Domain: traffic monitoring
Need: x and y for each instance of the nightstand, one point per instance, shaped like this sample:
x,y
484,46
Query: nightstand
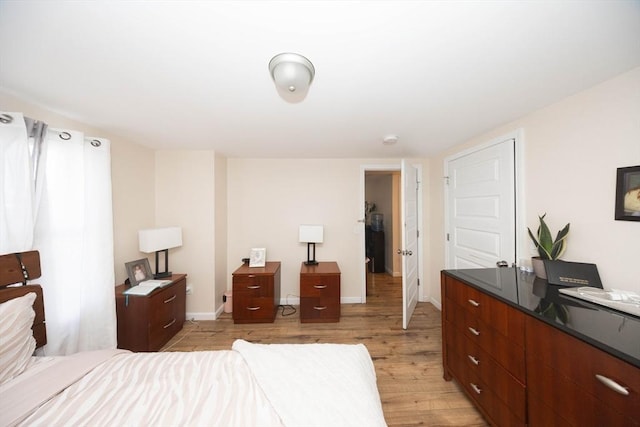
x,y
147,322
320,293
256,293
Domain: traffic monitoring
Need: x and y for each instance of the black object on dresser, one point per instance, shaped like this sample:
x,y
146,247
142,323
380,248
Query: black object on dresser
x,y
147,322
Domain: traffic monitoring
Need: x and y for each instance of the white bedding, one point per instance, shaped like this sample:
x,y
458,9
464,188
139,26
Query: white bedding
x,y
251,385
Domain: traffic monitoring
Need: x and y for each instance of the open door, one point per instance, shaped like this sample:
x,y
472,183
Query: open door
x,y
409,250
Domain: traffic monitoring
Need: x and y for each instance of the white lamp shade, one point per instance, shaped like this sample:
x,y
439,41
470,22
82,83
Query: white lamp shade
x,y
311,233
158,239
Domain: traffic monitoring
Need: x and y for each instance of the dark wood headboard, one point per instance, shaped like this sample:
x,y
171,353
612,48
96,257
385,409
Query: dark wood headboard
x,y
17,268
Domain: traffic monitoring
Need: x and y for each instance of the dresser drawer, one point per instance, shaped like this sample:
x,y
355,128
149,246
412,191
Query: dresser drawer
x,y
500,382
509,354
557,361
493,407
501,317
557,401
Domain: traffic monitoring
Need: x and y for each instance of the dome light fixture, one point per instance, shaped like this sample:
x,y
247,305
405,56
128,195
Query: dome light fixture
x,y
390,140
291,72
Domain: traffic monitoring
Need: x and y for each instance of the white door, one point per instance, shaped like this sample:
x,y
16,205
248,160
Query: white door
x,y
409,250
480,202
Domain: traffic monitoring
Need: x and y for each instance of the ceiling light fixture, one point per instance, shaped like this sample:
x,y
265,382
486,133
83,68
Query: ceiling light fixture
x,y
291,72
390,140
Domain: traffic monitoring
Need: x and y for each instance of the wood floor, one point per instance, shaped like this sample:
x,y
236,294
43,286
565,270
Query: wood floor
x,y
408,363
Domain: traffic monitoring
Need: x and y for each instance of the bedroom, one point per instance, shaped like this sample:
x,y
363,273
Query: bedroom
x,y
573,145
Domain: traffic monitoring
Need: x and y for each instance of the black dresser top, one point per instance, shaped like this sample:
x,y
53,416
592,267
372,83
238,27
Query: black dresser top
x,y
612,331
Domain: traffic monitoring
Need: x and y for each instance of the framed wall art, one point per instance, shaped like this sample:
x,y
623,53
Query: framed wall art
x,y
258,257
628,194
138,271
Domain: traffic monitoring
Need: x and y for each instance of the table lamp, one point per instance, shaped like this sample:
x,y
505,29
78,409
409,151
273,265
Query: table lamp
x,y
311,234
160,240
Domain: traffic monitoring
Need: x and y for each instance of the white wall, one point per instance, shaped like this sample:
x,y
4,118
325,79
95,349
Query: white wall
x,y
185,197
572,150
269,198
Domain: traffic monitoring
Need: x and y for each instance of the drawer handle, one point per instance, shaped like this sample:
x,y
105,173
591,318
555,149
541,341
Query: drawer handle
x,y
613,385
319,286
170,299
474,331
169,324
253,287
319,308
475,388
251,276
473,302
474,360
253,308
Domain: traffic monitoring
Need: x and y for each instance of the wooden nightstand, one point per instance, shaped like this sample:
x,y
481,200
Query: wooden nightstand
x,y
320,293
256,293
146,323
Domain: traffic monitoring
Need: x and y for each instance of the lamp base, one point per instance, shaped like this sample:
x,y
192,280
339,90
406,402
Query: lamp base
x,y
314,262
163,275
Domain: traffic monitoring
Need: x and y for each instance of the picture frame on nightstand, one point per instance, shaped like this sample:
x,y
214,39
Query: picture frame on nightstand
x,y
258,257
138,271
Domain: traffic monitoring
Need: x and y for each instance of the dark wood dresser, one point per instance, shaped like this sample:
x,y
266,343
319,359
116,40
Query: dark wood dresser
x,y
256,293
320,292
526,354
146,323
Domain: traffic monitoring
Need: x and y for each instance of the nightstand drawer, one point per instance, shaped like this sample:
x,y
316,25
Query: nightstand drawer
x,y
319,309
319,286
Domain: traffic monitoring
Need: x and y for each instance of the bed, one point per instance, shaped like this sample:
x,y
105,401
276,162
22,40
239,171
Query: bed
x,y
248,385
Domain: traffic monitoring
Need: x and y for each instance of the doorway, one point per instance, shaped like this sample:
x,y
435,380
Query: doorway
x,y
408,246
382,222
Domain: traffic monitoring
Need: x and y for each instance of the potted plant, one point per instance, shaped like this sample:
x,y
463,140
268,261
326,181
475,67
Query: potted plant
x,y
548,248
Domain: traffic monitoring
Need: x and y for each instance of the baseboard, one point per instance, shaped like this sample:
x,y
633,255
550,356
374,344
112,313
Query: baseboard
x,y
204,316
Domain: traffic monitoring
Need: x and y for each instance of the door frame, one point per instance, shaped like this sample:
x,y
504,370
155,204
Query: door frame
x,y
391,167
519,197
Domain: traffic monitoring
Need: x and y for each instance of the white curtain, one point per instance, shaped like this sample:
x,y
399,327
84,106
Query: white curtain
x,y
74,234
16,186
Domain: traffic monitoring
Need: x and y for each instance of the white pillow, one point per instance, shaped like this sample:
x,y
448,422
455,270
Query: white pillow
x,y
16,337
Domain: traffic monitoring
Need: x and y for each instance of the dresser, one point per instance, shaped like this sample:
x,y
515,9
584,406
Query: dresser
x,y
147,322
256,293
320,292
527,355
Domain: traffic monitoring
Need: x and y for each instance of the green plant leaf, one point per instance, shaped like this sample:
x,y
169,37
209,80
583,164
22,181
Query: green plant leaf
x,y
545,240
560,243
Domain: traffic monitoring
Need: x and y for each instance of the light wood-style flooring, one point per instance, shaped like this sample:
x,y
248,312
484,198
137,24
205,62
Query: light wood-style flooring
x,y
408,363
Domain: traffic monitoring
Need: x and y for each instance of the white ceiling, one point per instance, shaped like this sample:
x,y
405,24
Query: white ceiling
x,y
194,74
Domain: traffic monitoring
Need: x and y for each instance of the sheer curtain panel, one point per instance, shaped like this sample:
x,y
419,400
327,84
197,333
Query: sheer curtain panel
x,y
74,233
16,186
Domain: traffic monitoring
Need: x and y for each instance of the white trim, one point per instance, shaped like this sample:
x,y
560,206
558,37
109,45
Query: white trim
x,y
520,237
204,316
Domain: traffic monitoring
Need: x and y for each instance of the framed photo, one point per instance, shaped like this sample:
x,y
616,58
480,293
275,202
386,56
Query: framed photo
x,y
258,257
628,194
138,271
